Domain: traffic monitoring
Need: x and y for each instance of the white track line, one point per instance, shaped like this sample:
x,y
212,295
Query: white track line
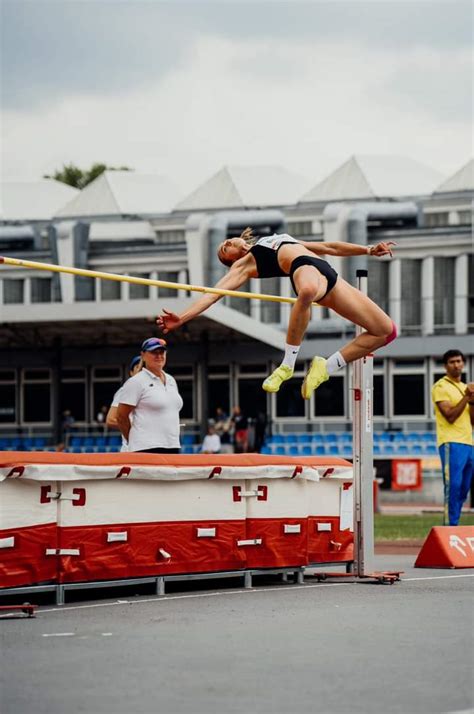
x,y
251,591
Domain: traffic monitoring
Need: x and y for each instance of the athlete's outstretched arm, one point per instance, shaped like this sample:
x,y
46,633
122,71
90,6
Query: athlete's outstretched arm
x,y
233,280
339,248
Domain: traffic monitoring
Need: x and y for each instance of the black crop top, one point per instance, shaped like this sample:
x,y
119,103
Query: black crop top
x,y
265,252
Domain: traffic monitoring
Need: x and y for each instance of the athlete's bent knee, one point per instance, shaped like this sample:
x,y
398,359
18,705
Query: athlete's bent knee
x,y
392,336
306,295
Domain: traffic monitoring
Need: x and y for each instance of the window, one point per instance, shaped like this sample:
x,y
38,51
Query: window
x,y
251,397
288,400
379,395
218,395
110,290
444,276
378,283
300,228
8,391
241,304
73,393
105,382
84,289
270,311
465,218
436,220
13,291
36,396
139,292
411,296
408,394
329,398
171,277
170,237
41,289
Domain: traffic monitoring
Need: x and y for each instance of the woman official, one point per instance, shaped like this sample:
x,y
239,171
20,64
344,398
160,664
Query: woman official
x,y
153,400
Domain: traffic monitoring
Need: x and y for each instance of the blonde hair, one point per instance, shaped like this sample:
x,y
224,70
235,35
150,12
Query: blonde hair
x,y
249,238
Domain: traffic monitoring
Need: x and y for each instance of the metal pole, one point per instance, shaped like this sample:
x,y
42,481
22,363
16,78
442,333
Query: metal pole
x,y
363,456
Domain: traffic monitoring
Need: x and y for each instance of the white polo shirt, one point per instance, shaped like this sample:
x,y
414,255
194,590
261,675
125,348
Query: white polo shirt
x,y
115,402
155,421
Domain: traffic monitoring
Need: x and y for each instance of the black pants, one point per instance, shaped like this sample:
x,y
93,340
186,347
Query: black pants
x,y
158,450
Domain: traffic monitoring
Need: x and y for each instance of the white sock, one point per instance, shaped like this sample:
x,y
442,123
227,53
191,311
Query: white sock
x,y
291,353
335,362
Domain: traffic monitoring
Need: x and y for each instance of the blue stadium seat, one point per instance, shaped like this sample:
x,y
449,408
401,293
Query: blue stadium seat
x,y
76,441
429,436
346,436
388,450
320,450
88,442
290,438
403,449
100,442
188,439
347,451
306,450
333,450
28,443
377,450
330,438
304,438
416,450
317,438
431,450
186,449
279,450
293,450
277,439
114,440
384,436
39,442
398,437
266,450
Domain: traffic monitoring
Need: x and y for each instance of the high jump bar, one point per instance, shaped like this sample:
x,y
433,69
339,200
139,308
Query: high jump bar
x,y
50,267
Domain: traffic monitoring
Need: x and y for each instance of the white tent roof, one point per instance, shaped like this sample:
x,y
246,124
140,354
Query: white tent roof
x,y
122,193
33,200
375,177
462,180
246,187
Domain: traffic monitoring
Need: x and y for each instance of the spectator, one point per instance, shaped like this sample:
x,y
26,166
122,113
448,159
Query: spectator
x,y
212,442
241,430
111,418
101,418
152,398
454,412
260,430
223,426
67,424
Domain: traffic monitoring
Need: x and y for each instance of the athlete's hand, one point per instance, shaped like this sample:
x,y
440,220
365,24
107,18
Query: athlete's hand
x,y
381,249
168,321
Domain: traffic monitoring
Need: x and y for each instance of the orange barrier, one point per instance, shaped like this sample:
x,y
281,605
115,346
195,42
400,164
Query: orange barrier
x,y
447,547
75,518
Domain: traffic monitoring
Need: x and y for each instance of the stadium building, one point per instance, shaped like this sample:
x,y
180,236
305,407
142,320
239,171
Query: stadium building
x,y
67,340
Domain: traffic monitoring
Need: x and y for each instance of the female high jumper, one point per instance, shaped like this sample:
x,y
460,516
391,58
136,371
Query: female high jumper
x,y
313,280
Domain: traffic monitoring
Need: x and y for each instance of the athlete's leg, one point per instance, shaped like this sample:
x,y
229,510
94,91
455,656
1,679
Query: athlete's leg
x,y
310,285
379,330
353,305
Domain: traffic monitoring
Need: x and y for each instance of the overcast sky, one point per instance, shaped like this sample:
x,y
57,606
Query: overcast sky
x,y
182,88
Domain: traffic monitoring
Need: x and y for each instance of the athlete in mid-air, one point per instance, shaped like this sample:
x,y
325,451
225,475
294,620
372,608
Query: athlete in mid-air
x,y
313,280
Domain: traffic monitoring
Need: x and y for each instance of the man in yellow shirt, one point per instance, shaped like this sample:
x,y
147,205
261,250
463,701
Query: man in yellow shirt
x,y
454,410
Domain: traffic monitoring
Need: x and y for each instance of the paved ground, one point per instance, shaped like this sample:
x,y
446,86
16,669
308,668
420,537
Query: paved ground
x,y
330,647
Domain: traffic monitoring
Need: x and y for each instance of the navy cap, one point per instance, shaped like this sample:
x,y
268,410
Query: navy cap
x,y
154,343
134,362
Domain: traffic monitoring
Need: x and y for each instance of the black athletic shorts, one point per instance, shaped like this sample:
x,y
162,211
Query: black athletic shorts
x,y
321,265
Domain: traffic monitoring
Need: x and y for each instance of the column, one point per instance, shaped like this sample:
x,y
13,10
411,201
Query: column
x,y
461,294
395,291
427,296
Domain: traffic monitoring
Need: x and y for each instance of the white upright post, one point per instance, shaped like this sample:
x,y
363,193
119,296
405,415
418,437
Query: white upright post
x,y
363,456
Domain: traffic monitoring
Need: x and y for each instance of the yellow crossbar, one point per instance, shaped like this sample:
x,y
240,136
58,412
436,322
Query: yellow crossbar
x,y
50,267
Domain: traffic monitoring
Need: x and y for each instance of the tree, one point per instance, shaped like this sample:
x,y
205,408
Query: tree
x,y
77,177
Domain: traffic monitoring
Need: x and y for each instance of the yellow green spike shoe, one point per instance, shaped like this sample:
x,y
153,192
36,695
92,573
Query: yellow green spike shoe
x,y
274,381
316,375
